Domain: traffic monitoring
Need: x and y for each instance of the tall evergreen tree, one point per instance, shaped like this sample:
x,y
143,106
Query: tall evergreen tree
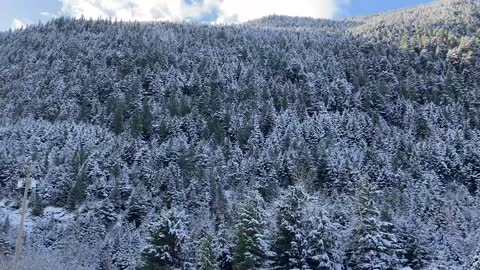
x,y
146,120
224,246
372,247
288,242
321,251
249,250
117,118
208,260
165,245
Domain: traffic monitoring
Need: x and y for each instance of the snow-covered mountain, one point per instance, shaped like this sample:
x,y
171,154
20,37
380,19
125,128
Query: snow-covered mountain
x,y
281,143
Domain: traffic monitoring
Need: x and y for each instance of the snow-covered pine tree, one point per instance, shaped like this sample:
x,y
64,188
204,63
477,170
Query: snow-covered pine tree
x,y
372,247
323,179
288,242
414,247
165,245
36,204
321,250
137,206
105,211
208,260
126,241
284,172
105,261
88,230
224,246
249,249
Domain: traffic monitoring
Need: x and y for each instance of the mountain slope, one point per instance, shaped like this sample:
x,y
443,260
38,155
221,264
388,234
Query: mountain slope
x,y
282,143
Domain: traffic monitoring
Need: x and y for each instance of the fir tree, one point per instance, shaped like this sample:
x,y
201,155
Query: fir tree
x,y
126,242
146,120
167,237
285,173
321,251
288,241
78,192
137,206
117,118
323,179
106,211
372,247
249,253
136,124
224,246
414,253
36,205
208,260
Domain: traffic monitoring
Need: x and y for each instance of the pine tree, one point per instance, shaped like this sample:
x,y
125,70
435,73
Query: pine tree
x,y
422,130
255,141
78,192
267,120
136,124
249,253
36,205
208,260
138,205
372,248
323,180
105,210
285,173
105,257
146,120
288,241
125,245
472,171
167,236
321,251
117,118
266,179
88,230
224,246
414,253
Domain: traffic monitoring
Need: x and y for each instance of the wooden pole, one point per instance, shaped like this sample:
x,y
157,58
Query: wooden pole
x,y
18,247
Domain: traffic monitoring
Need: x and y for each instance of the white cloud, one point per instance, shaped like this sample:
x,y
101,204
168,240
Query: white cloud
x,y
228,11
244,10
17,24
140,10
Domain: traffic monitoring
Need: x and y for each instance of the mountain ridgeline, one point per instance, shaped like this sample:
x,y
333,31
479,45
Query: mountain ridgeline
x,y
281,143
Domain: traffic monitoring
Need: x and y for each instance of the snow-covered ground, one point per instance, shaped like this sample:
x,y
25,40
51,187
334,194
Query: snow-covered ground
x,y
8,211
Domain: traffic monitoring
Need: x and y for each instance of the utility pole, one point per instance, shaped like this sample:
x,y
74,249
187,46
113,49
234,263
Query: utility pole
x,y
18,247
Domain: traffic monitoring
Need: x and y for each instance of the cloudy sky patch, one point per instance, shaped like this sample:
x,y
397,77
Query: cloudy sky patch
x,y
16,13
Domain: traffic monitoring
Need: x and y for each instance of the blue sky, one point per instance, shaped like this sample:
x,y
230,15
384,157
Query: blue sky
x,y
14,13
366,7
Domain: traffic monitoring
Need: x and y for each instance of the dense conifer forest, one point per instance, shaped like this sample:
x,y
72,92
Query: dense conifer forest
x,y
281,143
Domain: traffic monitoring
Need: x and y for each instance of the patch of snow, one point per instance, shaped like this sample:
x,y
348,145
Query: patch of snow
x,y
14,218
58,214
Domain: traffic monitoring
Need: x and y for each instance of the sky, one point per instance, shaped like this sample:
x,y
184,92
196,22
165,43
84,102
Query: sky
x,y
18,13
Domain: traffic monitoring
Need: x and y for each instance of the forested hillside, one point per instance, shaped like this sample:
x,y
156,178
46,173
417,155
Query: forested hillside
x,y
281,143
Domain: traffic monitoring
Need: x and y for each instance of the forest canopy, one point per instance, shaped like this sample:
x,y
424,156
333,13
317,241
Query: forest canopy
x,y
281,143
